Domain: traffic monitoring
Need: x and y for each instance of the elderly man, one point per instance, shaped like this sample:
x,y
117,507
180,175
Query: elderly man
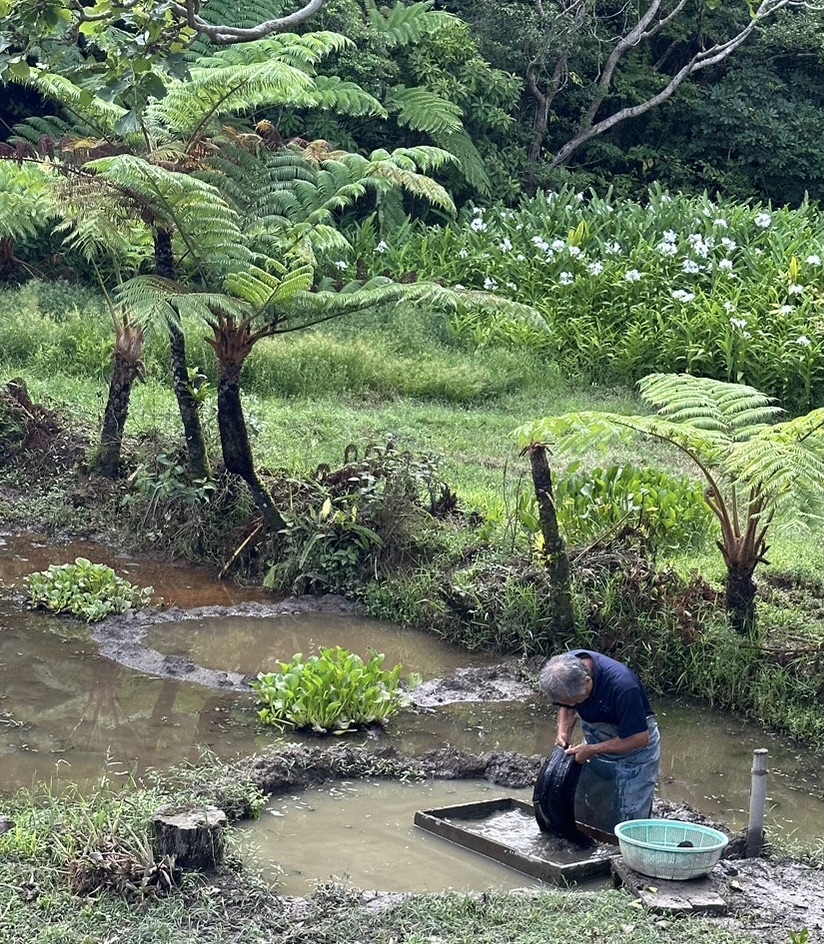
x,y
619,727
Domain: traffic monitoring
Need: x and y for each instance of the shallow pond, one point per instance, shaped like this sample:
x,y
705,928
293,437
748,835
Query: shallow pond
x,y
67,712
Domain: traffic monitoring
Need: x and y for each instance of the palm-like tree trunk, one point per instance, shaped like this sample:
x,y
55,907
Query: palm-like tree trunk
x,y
562,617
127,367
197,456
233,343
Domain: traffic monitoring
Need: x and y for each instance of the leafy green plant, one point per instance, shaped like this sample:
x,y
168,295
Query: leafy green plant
x,y
92,591
333,691
670,511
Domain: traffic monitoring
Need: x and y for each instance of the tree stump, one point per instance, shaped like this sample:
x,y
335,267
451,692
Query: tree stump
x,y
194,837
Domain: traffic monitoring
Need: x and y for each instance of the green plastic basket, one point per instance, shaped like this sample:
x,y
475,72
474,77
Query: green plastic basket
x,y
670,849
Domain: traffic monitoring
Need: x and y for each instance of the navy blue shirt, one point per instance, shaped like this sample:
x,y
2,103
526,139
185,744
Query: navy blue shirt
x,y
617,696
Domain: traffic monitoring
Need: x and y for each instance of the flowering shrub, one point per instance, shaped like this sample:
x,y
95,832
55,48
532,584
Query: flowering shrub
x,y
719,289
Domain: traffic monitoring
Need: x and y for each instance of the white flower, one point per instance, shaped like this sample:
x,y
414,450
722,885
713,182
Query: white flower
x,y
341,264
681,296
462,254
721,223
612,248
670,236
490,284
728,244
690,267
786,309
459,287
574,250
566,278
803,340
707,211
512,286
579,197
558,245
667,249
813,260
550,255
796,289
382,246
738,322
520,257
595,268
478,211
633,275
728,307
540,243
505,245
478,225
746,334
725,264
763,220
700,246
758,252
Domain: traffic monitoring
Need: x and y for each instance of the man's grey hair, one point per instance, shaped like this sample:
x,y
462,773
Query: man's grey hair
x,y
564,679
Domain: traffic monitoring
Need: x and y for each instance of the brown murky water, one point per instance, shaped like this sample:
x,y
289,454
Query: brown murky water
x,y
66,712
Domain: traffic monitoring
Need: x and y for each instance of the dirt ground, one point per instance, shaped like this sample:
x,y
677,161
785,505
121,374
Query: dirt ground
x,y
767,897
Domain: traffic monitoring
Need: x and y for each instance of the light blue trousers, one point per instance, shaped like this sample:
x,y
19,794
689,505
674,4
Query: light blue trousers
x,y
635,774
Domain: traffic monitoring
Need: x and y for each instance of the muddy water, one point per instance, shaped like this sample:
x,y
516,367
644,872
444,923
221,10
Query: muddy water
x,y
66,711
364,833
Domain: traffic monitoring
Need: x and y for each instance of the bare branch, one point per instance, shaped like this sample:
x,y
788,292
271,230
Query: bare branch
x,y
701,60
223,35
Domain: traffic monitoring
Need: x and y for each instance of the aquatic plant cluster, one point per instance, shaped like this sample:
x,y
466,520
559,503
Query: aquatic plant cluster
x,y
83,589
679,283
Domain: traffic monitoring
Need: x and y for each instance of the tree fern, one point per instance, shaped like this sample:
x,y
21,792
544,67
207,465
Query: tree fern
x,y
753,469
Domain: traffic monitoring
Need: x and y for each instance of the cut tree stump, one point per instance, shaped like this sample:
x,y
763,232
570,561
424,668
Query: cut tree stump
x,y
193,836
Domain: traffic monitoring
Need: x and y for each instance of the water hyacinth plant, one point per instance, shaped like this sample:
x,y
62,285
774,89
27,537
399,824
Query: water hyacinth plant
x,y
679,284
332,691
83,589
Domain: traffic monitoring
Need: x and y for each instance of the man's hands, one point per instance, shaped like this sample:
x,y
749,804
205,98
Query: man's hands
x,y
581,752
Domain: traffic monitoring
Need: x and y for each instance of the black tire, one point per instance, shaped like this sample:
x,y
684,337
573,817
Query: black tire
x,y
554,797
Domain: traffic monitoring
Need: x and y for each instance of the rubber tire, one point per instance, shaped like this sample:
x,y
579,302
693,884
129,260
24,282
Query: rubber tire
x,y
554,797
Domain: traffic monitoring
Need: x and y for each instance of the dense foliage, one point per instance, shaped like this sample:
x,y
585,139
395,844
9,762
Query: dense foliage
x,y
711,287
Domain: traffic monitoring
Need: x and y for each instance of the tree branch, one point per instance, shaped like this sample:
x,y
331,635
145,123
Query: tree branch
x,y
223,35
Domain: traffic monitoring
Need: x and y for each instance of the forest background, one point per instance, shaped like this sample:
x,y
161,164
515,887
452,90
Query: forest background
x,y
527,209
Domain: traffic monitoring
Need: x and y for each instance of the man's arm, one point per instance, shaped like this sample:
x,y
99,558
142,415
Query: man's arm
x,y
566,725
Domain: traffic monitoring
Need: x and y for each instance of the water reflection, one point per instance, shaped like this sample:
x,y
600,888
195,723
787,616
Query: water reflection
x,y
64,709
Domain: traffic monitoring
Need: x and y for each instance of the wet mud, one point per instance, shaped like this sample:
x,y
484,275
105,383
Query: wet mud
x,y
768,898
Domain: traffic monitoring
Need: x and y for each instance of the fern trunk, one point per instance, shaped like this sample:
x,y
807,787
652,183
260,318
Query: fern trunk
x,y
126,369
740,590
556,561
234,441
197,458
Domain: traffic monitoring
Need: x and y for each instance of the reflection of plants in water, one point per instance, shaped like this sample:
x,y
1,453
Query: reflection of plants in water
x,y
92,591
333,691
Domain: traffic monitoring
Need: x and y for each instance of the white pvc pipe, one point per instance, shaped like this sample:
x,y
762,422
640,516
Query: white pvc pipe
x,y
758,796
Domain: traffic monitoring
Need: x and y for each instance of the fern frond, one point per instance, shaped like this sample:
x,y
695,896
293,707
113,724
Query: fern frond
x,y
734,410
25,206
262,289
423,110
404,24
90,113
459,144
784,458
194,208
345,98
